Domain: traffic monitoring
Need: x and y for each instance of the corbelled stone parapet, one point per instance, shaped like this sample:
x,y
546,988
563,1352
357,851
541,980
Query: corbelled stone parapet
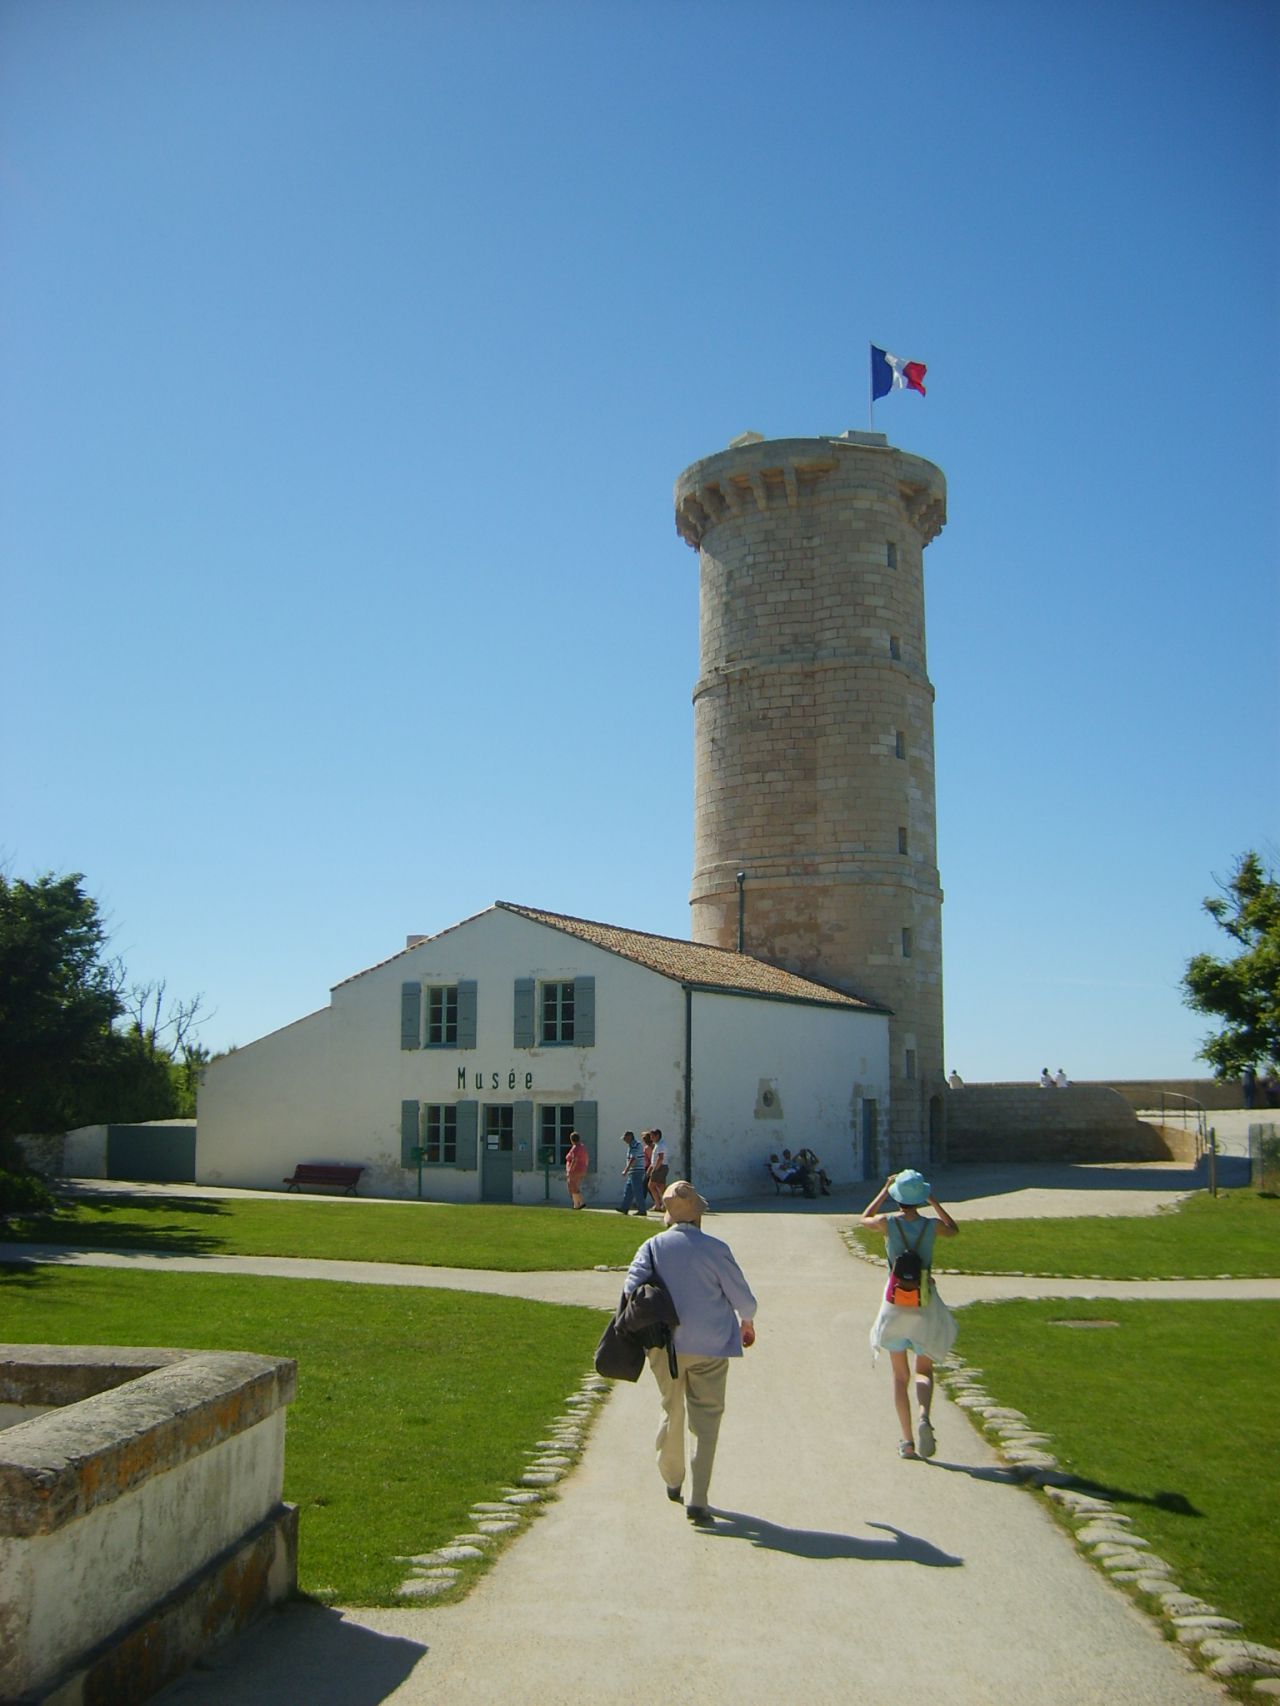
x,y
778,473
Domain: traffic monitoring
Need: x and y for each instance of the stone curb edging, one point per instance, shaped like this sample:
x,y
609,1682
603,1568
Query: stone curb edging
x,y
550,1460
1108,1537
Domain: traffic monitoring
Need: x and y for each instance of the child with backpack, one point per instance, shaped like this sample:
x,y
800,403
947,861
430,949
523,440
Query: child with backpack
x,y
912,1318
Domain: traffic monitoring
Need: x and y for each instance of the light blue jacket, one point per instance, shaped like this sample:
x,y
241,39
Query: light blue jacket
x,y
706,1286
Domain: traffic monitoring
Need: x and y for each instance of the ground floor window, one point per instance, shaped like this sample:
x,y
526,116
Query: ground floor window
x,y
555,1124
440,1134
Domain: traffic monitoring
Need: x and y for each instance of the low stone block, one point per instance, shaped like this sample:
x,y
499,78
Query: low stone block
x,y
1175,1603
1192,1630
1129,1558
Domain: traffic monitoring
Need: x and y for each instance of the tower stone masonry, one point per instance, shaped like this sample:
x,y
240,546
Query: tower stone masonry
x,y
813,737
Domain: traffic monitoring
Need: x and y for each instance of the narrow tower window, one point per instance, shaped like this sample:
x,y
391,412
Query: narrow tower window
x,y
906,941
891,554
902,838
899,743
911,1063
895,646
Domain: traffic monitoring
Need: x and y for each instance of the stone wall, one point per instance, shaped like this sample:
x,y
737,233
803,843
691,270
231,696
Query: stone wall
x,y
1209,1092
140,1513
1085,1122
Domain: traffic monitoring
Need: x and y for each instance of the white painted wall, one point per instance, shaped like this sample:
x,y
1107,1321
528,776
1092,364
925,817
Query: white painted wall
x,y
817,1063
329,1087
267,1106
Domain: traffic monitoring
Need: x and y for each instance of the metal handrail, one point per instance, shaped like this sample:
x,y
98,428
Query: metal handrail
x,y
1190,1104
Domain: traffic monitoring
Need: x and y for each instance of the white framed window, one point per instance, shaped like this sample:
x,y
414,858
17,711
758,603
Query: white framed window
x,y
442,1015
555,1122
557,1013
439,1135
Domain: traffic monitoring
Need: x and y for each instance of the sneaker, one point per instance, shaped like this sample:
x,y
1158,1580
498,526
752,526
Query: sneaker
x,y
701,1515
906,1449
675,1495
928,1444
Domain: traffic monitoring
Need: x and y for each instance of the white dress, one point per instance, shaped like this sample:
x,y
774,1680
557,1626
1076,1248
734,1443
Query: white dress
x,y
930,1331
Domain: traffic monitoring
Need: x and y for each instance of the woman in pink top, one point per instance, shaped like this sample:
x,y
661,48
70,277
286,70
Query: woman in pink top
x,y
576,1163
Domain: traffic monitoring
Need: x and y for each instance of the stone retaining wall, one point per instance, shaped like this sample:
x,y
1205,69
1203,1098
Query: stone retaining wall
x,y
140,1513
1085,1122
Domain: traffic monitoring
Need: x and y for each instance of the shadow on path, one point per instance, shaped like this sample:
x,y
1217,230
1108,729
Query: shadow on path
x,y
1177,1503
903,1548
304,1655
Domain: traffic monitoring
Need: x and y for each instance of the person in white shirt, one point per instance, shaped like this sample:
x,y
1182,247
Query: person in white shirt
x,y
657,1167
1046,1079
1060,1079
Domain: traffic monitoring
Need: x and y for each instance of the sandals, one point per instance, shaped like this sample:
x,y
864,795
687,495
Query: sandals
x,y
928,1444
906,1449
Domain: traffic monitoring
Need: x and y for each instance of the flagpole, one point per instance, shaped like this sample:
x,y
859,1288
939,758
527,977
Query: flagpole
x,y
871,396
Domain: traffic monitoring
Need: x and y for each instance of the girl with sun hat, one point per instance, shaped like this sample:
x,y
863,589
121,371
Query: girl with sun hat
x,y
919,1321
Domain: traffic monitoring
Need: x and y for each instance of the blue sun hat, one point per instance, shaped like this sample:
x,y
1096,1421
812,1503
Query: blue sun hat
x,y
910,1188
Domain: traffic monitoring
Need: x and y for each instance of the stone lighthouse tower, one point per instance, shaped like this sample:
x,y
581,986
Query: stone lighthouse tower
x,y
814,818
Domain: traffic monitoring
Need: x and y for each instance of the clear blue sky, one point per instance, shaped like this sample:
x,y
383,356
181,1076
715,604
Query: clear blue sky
x,y
349,352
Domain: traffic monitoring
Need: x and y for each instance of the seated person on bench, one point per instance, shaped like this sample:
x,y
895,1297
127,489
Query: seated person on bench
x,y
784,1172
811,1164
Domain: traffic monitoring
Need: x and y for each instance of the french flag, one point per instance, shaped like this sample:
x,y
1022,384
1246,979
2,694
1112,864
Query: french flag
x,y
891,373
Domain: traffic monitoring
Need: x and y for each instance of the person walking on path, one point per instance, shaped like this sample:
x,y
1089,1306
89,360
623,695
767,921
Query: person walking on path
x,y
717,1321
576,1163
657,1176
633,1192
918,1321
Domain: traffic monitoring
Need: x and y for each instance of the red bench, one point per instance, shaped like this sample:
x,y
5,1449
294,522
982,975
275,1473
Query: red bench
x,y
325,1173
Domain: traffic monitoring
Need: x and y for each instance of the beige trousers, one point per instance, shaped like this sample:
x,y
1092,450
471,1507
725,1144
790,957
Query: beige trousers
x,y
698,1390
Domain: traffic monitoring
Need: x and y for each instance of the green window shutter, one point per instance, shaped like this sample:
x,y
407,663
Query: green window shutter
x,y
468,1125
522,1136
410,1015
467,1014
584,1012
524,1012
584,1123
410,1133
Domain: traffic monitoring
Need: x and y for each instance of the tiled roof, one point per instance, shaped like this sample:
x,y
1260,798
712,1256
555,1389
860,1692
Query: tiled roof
x,y
696,963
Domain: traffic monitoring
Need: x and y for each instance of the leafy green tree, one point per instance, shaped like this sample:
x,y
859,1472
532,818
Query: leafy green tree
x,y
77,1046
1244,992
58,1000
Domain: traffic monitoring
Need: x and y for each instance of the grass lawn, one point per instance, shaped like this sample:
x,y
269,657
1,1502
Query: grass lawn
x,y
471,1235
1237,1232
411,1404
1171,1415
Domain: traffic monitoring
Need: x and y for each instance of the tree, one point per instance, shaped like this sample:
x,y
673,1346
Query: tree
x,y
77,1045
162,1035
1243,992
58,1000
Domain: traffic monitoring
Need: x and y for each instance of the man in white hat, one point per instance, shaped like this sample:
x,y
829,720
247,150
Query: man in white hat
x,y
717,1321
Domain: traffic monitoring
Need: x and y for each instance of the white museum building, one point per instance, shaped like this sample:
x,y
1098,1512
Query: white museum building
x,y
459,1066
